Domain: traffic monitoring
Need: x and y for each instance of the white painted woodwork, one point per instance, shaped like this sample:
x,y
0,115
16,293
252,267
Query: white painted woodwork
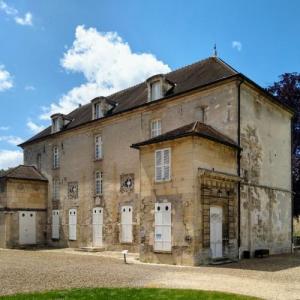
x,y
97,227
216,236
72,224
27,227
163,222
126,224
55,224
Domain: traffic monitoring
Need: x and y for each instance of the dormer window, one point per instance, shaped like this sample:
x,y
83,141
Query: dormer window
x,y
98,111
101,106
156,92
158,86
57,122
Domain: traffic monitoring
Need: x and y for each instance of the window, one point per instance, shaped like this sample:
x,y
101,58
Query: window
x,y
56,189
162,164
126,224
155,128
72,224
98,147
156,90
297,151
55,224
97,111
39,161
98,183
163,222
55,157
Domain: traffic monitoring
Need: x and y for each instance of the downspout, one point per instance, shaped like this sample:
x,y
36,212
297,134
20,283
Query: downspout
x,y
239,164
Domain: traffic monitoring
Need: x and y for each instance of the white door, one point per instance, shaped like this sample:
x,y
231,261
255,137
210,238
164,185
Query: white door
x,y
72,224
97,226
27,227
163,235
126,223
55,224
216,236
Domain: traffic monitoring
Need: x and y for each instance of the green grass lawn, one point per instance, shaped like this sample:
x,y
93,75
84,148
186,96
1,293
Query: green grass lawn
x,y
129,294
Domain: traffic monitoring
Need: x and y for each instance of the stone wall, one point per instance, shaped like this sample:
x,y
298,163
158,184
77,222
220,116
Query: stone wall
x,y
266,169
77,162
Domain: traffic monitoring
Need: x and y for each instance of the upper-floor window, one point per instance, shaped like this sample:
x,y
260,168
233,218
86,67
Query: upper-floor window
x,y
163,164
98,183
97,111
156,91
155,128
56,189
55,157
98,147
39,161
297,126
297,151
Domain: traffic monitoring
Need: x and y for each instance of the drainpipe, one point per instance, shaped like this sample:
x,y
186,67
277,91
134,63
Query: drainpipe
x,y
239,164
292,192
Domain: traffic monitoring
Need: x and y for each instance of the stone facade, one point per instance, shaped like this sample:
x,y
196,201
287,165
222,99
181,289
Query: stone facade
x,y
19,196
204,173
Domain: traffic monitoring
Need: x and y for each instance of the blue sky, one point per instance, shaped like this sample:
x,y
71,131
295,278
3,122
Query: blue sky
x,y
57,54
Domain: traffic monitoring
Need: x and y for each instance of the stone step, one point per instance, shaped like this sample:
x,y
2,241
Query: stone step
x,y
221,261
90,249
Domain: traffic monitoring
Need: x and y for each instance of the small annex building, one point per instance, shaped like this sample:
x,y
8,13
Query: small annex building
x,y
23,207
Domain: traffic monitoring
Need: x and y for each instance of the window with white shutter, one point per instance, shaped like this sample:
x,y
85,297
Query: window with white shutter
x,y
72,224
156,92
163,222
126,224
98,147
56,189
55,157
155,128
98,183
163,164
55,224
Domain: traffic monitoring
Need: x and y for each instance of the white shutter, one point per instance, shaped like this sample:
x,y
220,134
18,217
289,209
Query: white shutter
x,y
97,226
72,224
163,164
166,164
55,224
126,224
163,222
158,165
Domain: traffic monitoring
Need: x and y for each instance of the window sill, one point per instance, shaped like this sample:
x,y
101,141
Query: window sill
x,y
54,240
162,252
162,181
98,159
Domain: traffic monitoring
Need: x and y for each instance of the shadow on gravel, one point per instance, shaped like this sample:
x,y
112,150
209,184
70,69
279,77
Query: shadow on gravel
x,y
272,263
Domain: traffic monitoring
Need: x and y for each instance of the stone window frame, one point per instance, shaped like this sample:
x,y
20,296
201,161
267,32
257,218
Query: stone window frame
x,y
56,189
163,165
98,183
55,157
98,144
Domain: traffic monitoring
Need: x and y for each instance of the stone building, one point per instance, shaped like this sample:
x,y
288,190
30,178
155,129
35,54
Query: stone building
x,y
23,207
186,167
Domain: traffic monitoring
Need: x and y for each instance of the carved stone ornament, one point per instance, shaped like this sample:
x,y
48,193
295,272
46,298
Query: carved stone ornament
x,y
73,190
127,183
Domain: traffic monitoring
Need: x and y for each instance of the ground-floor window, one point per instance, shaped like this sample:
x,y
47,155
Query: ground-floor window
x,y
97,226
72,224
163,236
55,224
126,224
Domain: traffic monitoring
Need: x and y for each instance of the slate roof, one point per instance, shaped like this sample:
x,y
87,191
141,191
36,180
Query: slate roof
x,y
193,76
24,172
193,129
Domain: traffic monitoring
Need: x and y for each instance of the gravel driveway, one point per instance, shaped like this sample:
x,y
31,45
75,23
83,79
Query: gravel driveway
x,y
276,277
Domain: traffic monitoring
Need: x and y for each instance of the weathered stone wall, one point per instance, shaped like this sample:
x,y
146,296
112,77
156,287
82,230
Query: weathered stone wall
x,y
2,230
26,194
77,162
266,168
183,192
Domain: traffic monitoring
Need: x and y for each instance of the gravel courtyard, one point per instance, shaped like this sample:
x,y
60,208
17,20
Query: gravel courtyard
x,y
23,271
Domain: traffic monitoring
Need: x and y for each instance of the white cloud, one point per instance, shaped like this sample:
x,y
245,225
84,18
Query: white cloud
x,y
13,140
13,12
10,158
6,81
108,65
35,128
26,20
4,128
29,88
237,45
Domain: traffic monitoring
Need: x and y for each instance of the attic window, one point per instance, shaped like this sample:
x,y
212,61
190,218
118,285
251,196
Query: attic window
x,y
58,121
97,111
156,90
